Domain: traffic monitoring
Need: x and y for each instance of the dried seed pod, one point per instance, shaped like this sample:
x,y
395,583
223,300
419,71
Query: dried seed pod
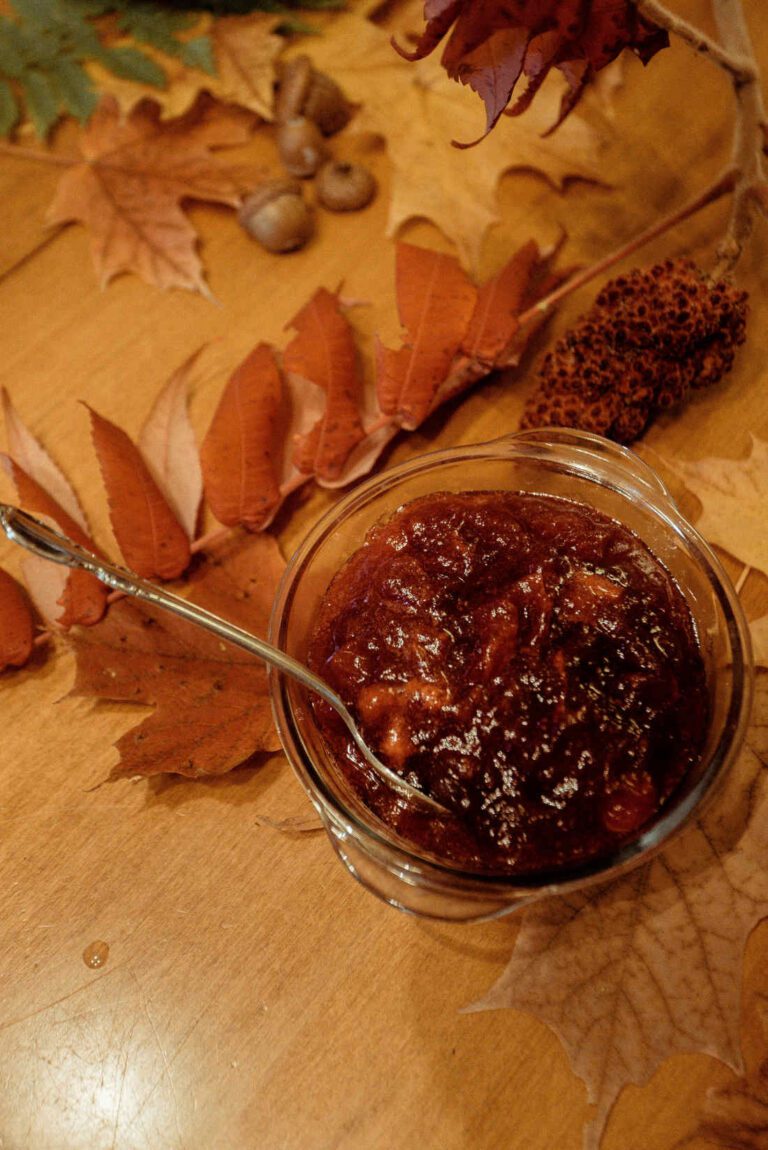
x,y
301,146
303,91
276,214
344,187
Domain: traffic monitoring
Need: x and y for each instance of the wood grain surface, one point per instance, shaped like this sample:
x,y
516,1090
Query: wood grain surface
x,y
253,996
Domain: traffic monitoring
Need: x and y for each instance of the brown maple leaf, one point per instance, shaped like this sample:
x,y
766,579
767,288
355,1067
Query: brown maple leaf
x,y
635,970
16,624
132,179
211,707
493,45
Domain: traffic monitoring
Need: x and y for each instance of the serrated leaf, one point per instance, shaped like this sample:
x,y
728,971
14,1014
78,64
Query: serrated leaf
x,y
132,64
198,53
74,87
148,533
167,443
323,354
9,109
41,101
12,50
240,450
16,626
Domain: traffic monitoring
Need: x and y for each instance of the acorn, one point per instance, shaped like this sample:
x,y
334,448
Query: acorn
x,y
277,215
343,187
303,91
301,146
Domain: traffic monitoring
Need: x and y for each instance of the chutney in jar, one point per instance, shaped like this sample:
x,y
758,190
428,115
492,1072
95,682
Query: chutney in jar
x,y
524,659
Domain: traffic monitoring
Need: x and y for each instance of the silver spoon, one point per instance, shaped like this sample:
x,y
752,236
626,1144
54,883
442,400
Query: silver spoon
x,y
41,540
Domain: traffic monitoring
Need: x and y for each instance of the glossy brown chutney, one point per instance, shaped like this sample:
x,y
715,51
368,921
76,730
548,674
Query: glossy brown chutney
x,y
524,659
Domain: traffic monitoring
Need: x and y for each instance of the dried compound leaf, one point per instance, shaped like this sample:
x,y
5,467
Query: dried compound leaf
x,y
30,455
240,452
323,354
630,972
211,707
152,540
500,300
16,624
132,179
62,597
167,444
435,301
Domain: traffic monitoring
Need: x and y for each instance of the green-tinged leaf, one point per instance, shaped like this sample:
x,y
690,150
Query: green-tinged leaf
x,y
9,109
75,88
41,100
132,64
198,53
13,50
154,26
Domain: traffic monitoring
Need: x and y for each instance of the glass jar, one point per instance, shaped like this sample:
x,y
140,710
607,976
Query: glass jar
x,y
574,465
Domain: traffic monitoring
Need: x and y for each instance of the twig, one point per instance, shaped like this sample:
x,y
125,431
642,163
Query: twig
x,y
742,579
735,54
721,187
741,67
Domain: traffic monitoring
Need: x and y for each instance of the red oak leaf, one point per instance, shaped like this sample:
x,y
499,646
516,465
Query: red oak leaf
x,y
242,449
211,706
16,624
435,300
493,45
152,540
324,353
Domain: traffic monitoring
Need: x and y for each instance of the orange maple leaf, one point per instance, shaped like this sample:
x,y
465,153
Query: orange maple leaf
x,y
132,179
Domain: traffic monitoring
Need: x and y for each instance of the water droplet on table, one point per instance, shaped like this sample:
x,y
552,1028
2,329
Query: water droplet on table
x,y
96,954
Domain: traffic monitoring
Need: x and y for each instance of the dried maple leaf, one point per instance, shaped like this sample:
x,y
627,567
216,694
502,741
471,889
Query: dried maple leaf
x,y
435,301
635,970
132,179
323,354
241,451
152,540
16,624
492,45
415,108
211,707
168,447
734,497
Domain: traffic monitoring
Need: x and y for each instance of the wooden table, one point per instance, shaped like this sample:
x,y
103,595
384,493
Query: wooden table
x,y
255,996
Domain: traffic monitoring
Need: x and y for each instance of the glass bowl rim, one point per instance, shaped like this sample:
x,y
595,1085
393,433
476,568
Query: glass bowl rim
x,y
644,484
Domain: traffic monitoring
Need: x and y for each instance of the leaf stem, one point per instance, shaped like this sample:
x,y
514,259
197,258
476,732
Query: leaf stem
x,y
742,579
23,153
726,183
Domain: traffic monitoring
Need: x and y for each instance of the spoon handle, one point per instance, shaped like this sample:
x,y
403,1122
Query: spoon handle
x,y
44,541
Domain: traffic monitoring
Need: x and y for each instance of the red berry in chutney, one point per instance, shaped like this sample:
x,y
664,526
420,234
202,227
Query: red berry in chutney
x,y
526,660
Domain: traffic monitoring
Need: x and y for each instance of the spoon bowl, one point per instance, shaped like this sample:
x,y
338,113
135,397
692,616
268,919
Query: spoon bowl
x,y
47,543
